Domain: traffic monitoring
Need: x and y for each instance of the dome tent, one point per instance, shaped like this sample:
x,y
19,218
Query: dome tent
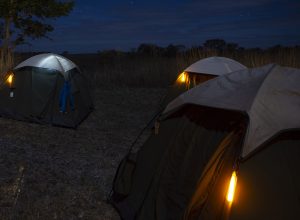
x,y
40,86
247,122
215,66
199,72
262,91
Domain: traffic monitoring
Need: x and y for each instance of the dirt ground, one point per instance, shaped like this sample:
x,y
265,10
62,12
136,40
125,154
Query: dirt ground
x,y
50,172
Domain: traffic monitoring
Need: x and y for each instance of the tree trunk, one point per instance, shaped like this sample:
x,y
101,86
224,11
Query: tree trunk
x,y
6,58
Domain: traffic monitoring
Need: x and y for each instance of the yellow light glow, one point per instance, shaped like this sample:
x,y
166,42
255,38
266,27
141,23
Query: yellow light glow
x,y
10,78
231,187
182,77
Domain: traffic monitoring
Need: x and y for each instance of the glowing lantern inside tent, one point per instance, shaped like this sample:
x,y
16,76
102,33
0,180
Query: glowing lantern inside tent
x,y
10,79
231,187
183,77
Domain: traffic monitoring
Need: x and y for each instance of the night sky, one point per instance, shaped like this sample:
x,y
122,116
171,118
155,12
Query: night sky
x,y
114,24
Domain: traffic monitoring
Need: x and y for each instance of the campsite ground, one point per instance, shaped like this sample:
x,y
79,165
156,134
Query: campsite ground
x,y
56,173
67,174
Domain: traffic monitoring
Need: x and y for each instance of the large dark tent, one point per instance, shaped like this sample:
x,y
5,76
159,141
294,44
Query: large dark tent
x,y
46,88
226,149
195,74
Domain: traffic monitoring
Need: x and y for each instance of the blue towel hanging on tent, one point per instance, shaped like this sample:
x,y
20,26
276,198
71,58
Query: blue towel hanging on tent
x,y
66,93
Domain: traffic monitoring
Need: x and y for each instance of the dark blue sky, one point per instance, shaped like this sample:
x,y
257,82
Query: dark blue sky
x,y
114,24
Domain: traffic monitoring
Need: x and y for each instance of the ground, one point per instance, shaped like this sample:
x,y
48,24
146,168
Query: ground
x,y
50,172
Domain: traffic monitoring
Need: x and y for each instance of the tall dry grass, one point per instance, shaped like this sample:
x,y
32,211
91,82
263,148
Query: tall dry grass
x,y
127,69
250,58
140,70
160,71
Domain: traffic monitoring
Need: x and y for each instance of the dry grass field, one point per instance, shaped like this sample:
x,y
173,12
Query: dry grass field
x,y
140,70
56,173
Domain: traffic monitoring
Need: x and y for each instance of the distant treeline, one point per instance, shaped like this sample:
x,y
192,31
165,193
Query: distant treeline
x,y
251,57
210,46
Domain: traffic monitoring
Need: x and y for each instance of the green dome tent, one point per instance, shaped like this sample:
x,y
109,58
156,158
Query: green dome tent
x,y
199,72
243,125
46,88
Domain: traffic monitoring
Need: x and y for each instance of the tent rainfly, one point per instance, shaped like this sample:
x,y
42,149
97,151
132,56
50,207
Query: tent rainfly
x,y
226,149
217,66
265,90
46,88
199,72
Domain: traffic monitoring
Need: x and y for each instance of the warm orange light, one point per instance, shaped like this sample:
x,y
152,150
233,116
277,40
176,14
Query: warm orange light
x,y
231,187
182,77
10,78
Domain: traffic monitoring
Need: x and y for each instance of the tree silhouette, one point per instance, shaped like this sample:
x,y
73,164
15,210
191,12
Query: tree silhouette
x,y
150,49
172,50
22,19
231,47
216,44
